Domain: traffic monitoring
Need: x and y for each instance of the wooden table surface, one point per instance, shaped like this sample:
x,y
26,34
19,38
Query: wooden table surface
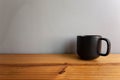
x,y
58,67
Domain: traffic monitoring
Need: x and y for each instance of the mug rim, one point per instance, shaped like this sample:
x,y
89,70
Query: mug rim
x,y
89,36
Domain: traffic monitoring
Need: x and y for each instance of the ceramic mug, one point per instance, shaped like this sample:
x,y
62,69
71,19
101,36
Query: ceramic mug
x,y
89,46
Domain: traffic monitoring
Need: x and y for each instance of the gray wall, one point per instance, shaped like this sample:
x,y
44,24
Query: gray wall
x,y
51,26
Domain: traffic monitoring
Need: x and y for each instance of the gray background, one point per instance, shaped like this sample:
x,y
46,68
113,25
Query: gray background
x,y
51,26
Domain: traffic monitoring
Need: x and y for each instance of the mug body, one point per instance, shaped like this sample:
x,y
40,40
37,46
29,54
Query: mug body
x,y
88,47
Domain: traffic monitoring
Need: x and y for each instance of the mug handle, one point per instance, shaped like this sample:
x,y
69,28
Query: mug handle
x,y
108,46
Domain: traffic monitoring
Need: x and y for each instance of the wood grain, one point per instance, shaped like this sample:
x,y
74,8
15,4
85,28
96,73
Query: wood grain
x,y
58,67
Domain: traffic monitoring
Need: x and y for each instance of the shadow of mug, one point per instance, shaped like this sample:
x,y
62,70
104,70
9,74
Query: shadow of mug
x,y
70,46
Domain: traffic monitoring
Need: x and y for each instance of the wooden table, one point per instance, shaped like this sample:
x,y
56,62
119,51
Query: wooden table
x,y
58,67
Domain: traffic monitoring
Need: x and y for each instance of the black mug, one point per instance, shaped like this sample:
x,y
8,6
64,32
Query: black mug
x,y
89,46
